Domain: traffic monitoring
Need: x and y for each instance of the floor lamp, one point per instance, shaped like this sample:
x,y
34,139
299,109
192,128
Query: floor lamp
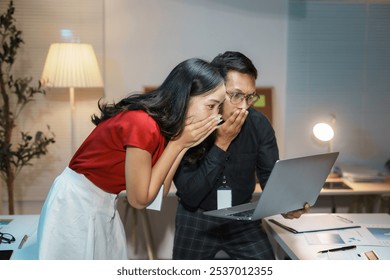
x,y
71,65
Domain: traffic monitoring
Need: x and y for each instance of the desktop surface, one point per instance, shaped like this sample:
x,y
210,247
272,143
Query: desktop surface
x,y
24,229
308,246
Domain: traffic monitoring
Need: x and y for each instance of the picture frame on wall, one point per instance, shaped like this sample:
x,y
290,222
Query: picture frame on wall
x,y
264,104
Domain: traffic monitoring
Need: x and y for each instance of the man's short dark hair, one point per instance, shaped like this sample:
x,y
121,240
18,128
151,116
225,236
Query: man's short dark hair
x,y
234,61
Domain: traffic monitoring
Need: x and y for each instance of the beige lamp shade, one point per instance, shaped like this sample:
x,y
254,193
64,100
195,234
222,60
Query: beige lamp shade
x,y
71,65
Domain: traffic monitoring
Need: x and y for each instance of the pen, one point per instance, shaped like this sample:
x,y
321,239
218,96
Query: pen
x,y
24,239
338,249
344,219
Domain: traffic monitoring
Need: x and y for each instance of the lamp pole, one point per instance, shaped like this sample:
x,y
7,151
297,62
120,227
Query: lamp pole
x,y
72,122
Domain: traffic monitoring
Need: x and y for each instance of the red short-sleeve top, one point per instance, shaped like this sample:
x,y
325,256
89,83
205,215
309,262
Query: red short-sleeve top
x,y
101,157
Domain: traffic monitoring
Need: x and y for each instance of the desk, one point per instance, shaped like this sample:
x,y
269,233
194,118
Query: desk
x,y
19,226
295,246
367,195
150,223
361,188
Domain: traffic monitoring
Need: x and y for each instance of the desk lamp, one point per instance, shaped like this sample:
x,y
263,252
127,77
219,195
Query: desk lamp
x,y
71,65
325,133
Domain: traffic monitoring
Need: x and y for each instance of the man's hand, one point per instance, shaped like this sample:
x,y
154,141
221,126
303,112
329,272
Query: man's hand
x,y
297,213
230,129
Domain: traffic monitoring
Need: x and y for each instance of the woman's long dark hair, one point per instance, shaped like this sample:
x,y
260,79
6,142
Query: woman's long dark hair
x,y
168,104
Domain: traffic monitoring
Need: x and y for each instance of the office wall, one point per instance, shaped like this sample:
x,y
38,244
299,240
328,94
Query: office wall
x,y
323,58
339,64
146,39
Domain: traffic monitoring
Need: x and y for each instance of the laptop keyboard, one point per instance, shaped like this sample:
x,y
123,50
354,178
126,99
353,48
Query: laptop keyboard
x,y
247,213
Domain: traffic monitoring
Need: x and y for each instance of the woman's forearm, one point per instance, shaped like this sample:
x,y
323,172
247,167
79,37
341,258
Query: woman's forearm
x,y
172,171
143,183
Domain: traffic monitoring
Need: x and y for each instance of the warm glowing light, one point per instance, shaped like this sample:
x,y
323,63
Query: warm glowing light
x,y
323,132
72,65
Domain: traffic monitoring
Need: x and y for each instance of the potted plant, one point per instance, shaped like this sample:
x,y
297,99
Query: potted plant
x,y
16,151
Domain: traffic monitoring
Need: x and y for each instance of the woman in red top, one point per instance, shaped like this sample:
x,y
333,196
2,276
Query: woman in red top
x,y
136,146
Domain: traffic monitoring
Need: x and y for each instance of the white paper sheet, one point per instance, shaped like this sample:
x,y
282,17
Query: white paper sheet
x,y
157,202
355,236
310,223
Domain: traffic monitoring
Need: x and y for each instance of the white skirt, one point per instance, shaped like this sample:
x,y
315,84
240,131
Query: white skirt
x,y
80,221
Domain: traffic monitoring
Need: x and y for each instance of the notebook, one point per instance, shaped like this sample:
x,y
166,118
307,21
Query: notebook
x,y
292,183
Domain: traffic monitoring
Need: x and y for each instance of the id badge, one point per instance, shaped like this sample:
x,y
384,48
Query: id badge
x,y
224,197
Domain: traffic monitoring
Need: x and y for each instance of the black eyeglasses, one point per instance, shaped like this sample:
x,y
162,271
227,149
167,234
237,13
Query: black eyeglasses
x,y
6,238
237,98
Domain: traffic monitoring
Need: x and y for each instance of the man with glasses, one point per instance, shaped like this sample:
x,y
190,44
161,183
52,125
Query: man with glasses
x,y
222,171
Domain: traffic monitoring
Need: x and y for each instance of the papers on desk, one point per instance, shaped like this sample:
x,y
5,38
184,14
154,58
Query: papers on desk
x,y
364,238
4,222
354,236
381,233
310,223
335,229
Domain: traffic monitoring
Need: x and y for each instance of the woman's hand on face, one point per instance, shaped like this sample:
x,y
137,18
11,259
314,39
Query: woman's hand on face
x,y
195,132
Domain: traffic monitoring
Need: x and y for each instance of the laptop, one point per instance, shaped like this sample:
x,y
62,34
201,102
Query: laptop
x,y
292,183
